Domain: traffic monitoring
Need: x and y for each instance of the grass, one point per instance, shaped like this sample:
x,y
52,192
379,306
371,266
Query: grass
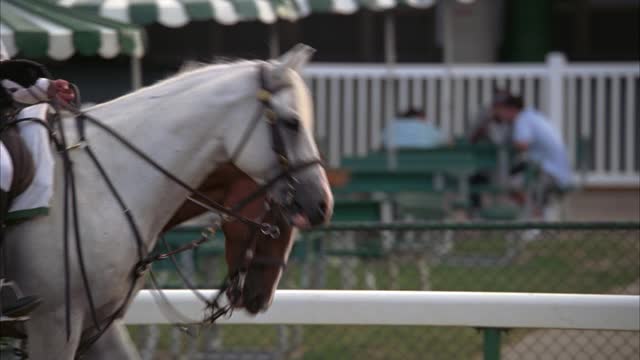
x,y
565,262
346,342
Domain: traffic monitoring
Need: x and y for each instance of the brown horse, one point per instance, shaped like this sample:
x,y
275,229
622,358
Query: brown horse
x,y
228,185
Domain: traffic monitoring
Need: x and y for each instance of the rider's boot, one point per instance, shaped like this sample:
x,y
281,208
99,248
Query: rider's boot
x,y
21,306
16,305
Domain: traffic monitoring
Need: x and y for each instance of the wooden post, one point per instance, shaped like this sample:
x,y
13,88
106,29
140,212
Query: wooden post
x,y
390,60
447,33
448,59
136,73
274,41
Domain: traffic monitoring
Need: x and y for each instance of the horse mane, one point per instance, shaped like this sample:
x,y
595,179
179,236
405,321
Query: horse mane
x,y
192,65
297,82
188,68
223,64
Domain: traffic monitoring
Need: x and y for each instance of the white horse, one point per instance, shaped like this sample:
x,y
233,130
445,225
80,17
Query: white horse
x,y
190,124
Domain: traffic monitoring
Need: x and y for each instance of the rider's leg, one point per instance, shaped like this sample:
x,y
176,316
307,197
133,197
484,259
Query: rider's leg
x,y
22,305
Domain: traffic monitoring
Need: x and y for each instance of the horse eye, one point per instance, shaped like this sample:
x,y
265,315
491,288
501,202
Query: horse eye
x,y
292,123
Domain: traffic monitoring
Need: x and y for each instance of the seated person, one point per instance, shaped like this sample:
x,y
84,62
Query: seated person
x,y
487,127
412,130
534,135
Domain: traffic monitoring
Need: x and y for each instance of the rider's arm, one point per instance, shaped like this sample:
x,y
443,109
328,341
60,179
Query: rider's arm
x,y
27,83
24,81
36,93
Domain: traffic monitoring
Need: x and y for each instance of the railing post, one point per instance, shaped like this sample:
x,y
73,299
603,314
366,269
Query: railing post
x,y
136,72
491,343
274,41
389,92
556,63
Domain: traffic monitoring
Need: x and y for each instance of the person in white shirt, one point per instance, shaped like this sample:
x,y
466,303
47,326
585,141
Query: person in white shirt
x,y
412,130
534,135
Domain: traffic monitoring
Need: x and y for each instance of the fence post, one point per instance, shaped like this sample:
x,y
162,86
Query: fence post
x,y
556,63
491,344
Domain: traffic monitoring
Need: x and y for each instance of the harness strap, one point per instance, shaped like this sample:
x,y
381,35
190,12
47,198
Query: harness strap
x,y
143,264
70,197
139,246
263,189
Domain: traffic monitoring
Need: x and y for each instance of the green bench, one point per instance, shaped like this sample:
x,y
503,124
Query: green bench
x,y
347,210
443,169
436,159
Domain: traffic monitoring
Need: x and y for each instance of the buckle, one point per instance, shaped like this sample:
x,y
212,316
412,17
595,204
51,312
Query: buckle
x,y
141,268
264,95
271,116
79,145
284,162
270,230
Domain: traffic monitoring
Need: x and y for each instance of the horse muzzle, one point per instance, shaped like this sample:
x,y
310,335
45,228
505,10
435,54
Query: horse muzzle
x,y
310,208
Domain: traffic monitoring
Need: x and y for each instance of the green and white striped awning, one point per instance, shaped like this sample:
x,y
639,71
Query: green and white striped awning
x,y
38,28
176,13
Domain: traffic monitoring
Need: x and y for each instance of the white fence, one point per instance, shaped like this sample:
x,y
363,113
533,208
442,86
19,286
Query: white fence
x,y
595,106
433,308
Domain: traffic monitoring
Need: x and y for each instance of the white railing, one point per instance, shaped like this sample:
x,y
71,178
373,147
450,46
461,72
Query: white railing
x,y
429,308
594,106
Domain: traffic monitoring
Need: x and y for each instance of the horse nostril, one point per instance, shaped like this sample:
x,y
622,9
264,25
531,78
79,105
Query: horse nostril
x,y
322,207
254,304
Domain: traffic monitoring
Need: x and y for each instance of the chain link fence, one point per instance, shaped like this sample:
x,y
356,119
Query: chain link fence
x,y
549,258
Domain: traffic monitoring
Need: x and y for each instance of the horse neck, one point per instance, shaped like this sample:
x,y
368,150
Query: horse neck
x,y
180,123
216,187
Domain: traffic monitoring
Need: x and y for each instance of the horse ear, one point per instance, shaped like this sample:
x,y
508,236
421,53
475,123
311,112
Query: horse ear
x,y
297,57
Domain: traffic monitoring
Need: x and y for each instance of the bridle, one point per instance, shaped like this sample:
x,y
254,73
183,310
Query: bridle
x,y
267,112
233,282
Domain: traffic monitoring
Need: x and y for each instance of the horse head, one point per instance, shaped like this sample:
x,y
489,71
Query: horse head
x,y
273,176
276,147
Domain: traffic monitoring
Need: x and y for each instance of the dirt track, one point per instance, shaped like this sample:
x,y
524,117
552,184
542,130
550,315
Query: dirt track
x,y
603,205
